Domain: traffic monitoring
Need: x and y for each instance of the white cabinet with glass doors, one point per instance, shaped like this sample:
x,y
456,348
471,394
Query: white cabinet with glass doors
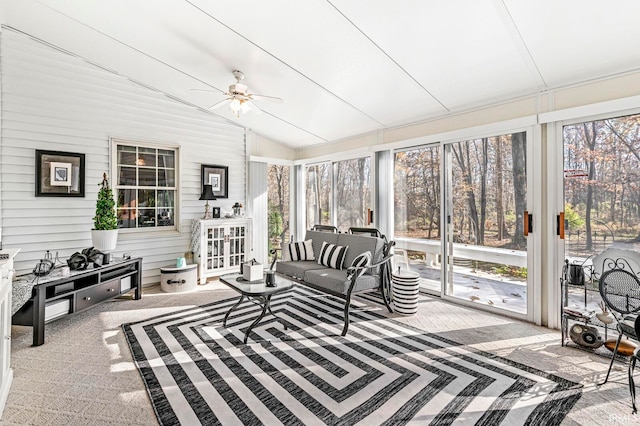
x,y
223,245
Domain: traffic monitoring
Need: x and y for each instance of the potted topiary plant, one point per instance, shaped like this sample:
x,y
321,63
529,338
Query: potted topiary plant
x,y
104,234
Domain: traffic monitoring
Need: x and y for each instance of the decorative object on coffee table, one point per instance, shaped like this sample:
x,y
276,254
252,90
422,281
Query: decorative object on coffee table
x,y
104,234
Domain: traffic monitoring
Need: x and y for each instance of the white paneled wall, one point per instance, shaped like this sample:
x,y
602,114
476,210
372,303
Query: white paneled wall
x,y
55,101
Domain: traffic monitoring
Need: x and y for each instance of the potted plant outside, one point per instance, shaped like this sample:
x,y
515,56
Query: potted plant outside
x,y
104,234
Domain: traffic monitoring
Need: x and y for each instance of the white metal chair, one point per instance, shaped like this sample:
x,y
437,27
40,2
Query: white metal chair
x,y
620,290
400,259
632,366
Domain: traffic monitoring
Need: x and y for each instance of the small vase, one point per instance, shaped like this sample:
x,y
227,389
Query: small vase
x,y
604,318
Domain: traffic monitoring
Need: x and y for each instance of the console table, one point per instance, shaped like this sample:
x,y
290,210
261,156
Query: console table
x,y
54,296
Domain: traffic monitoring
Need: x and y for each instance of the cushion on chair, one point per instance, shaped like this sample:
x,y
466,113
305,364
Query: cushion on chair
x,y
336,281
318,237
332,255
359,244
298,268
301,250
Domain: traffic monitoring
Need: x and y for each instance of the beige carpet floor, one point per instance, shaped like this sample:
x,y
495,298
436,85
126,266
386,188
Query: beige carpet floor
x,y
84,374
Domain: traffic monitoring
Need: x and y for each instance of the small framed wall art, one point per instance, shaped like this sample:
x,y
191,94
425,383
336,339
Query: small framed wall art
x,y
217,177
59,174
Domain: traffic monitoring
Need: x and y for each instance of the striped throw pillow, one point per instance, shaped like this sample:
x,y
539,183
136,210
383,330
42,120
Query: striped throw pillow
x,y
363,259
301,250
332,255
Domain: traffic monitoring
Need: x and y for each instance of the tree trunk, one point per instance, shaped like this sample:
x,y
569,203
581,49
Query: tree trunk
x,y
361,192
463,159
280,182
590,139
316,190
483,190
519,159
499,205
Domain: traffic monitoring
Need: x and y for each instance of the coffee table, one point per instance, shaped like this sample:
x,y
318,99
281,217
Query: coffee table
x,y
256,292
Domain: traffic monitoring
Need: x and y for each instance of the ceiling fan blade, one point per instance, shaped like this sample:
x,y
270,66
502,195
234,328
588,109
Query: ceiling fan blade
x,y
255,109
218,104
206,90
266,98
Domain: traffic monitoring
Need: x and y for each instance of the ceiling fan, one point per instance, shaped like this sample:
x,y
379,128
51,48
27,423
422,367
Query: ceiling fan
x,y
239,98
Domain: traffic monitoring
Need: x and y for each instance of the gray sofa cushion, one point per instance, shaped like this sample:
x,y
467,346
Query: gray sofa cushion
x,y
336,281
358,244
297,268
318,237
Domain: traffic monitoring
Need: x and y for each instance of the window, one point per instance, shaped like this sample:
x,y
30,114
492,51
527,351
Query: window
x,y
417,193
352,193
146,188
278,200
318,194
601,190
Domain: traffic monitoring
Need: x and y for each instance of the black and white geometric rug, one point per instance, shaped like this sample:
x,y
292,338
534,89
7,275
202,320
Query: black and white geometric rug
x,y
382,372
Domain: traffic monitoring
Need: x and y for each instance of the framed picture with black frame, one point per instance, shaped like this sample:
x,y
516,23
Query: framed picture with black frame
x,y
217,177
59,174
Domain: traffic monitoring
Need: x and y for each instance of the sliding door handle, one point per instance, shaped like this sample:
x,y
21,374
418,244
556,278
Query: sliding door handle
x,y
528,223
560,225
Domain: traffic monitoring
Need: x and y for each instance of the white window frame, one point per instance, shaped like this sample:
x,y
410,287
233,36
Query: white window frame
x,y
150,231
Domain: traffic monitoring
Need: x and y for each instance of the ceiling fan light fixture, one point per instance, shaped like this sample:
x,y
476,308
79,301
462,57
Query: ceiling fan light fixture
x,y
239,106
236,106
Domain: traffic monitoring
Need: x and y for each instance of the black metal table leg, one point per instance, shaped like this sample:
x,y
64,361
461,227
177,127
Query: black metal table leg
x,y
275,316
224,323
265,305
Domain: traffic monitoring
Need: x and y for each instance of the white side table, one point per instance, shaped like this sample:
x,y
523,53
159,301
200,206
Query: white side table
x,y
405,291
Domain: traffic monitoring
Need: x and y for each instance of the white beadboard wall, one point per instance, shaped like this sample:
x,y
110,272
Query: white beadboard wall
x,y
53,100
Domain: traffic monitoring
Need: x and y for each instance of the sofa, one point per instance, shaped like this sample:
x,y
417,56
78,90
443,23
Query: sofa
x,y
304,266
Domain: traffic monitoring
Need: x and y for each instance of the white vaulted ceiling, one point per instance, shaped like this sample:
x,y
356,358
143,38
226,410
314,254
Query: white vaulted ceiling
x,y
342,67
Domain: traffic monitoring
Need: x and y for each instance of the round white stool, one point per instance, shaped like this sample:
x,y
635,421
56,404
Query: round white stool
x,y
405,286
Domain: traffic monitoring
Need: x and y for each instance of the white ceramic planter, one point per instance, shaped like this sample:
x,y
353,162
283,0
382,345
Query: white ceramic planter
x,y
104,241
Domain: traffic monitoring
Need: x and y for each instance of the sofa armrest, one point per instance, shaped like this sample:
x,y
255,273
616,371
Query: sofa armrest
x,y
352,270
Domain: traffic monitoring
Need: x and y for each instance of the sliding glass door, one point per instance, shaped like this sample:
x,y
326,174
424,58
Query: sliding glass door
x,y
487,221
417,214
601,198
